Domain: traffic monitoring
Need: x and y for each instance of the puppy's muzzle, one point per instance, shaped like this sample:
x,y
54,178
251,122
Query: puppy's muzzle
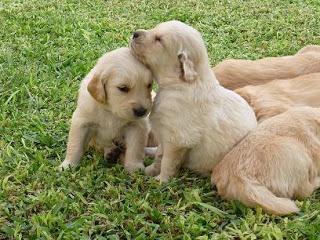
x,y
139,112
137,35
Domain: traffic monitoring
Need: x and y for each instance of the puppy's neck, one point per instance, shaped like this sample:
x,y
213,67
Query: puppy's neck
x,y
206,74
167,79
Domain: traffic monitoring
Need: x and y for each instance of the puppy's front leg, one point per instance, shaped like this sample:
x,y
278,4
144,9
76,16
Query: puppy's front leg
x,y
135,139
79,137
172,160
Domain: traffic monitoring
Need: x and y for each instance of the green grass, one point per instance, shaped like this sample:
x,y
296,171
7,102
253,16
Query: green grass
x,y
47,47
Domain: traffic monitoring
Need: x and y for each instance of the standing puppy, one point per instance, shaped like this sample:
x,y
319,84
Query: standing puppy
x,y
276,162
195,120
113,100
237,73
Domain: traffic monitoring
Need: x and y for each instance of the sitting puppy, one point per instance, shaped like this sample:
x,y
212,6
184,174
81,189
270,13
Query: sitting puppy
x,y
236,73
277,161
195,120
113,100
278,96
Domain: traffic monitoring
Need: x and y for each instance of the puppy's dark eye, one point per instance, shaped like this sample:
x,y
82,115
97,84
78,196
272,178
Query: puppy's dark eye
x,y
158,39
124,89
149,85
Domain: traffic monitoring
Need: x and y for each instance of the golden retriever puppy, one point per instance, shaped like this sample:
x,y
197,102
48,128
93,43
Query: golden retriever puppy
x,y
236,73
277,162
278,96
195,120
113,100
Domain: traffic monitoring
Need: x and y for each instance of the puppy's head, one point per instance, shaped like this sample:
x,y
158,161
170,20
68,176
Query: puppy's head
x,y
172,50
122,84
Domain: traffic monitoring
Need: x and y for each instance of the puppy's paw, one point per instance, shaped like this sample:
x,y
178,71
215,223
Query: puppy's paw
x,y
152,170
134,166
157,178
65,165
162,179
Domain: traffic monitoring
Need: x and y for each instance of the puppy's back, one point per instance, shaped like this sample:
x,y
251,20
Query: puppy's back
x,y
237,73
309,48
278,96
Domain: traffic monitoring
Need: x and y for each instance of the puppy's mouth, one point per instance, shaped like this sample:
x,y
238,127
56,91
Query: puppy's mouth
x,y
141,114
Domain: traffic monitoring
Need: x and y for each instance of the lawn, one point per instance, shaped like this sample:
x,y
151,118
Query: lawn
x,y
47,47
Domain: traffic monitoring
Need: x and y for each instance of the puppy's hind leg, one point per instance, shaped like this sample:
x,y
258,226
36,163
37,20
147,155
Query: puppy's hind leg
x,y
316,183
305,191
311,183
79,137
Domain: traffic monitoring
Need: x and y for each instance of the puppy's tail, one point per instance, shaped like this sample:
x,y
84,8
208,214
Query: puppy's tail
x,y
252,193
255,194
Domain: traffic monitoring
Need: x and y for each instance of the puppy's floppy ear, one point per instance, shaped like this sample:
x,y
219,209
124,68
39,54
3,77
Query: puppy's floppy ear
x,y
97,89
188,72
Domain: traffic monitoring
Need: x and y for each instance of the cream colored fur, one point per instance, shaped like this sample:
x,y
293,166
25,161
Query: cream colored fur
x,y
278,96
236,73
277,162
195,120
104,112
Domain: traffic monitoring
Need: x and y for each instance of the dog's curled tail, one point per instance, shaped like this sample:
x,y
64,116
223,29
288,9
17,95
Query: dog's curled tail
x,y
255,194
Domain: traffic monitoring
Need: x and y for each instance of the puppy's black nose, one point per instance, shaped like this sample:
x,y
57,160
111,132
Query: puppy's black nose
x,y
135,35
139,112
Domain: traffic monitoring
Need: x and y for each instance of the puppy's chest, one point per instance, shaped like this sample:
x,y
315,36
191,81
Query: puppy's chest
x,y
108,131
177,120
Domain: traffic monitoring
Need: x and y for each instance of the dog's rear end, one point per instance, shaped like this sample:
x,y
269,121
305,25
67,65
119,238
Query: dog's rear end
x,y
277,162
278,96
236,73
234,182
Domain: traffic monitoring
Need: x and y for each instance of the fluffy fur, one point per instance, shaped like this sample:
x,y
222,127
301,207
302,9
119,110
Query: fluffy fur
x,y
236,73
278,96
277,162
110,110
195,120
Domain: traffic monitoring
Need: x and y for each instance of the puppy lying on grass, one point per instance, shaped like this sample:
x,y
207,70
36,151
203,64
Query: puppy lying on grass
x,y
236,73
278,96
195,120
277,162
113,100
